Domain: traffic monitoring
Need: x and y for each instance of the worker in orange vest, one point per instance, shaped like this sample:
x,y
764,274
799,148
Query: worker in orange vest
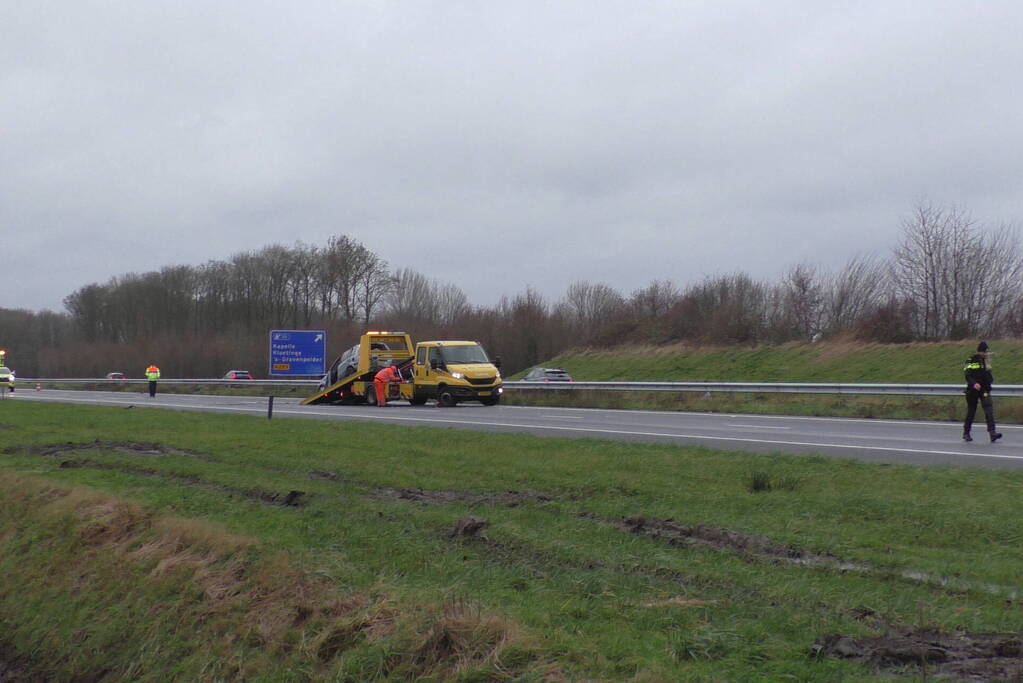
x,y
380,381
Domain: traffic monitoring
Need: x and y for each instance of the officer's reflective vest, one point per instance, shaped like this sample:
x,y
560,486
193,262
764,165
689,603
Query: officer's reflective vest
x,y
152,375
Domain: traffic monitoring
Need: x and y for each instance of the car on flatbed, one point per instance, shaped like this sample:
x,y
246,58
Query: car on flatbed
x,y
347,363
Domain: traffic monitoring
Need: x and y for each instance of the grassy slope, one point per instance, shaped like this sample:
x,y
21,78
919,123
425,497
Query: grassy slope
x,y
826,362
127,565
932,363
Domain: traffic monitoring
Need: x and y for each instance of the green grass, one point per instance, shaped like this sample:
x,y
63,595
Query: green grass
x,y
847,362
932,363
127,565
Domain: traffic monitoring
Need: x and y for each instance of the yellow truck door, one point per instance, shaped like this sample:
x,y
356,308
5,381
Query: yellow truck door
x,y
425,377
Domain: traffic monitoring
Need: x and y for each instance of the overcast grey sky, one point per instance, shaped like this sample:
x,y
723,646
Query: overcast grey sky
x,y
497,145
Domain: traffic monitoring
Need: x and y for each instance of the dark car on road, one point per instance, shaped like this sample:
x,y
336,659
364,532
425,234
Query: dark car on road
x,y
547,375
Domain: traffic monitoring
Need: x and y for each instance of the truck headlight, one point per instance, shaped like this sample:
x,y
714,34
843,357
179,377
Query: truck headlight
x,y
457,375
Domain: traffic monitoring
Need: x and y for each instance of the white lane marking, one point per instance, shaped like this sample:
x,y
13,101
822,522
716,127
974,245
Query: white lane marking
x,y
565,417
735,424
745,416
621,432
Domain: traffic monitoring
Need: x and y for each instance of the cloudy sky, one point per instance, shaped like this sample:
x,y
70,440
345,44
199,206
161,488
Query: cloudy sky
x,y
497,145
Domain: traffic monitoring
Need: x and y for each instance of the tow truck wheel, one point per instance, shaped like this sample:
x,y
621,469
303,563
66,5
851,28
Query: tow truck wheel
x,y
371,396
446,398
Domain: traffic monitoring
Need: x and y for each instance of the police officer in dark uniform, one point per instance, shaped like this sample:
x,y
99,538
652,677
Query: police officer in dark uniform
x,y
978,389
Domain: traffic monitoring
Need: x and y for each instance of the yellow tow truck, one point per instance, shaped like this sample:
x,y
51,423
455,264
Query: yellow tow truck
x,y
445,371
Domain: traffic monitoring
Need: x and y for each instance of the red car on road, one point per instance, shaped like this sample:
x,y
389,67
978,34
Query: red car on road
x,y
238,374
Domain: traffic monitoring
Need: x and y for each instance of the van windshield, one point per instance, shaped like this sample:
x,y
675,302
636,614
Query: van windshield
x,y
458,355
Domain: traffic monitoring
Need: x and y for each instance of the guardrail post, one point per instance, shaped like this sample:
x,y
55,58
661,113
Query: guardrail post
x,y
270,408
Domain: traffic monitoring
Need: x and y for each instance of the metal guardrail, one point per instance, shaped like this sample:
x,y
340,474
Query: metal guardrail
x,y
768,388
702,387
116,382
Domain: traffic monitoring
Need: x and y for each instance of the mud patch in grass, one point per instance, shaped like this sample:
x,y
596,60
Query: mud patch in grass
x,y
136,448
444,497
15,669
322,475
932,653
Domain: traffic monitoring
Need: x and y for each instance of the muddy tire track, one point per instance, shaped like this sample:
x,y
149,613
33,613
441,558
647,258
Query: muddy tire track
x,y
449,496
720,538
293,498
470,532
928,652
134,448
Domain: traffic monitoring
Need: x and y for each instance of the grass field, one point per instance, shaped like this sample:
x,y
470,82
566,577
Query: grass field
x,y
921,363
152,545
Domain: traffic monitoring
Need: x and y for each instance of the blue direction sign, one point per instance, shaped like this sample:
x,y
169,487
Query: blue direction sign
x,y
298,352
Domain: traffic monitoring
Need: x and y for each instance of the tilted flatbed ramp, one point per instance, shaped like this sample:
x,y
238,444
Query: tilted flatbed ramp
x,y
340,390
375,350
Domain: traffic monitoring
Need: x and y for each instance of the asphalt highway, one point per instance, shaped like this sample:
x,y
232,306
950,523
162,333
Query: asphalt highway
x,y
887,441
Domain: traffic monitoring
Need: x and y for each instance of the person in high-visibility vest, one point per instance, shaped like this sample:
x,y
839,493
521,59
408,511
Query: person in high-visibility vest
x,y
978,390
153,375
380,381
8,373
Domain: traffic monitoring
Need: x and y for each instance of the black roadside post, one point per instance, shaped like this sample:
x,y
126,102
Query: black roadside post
x,y
270,408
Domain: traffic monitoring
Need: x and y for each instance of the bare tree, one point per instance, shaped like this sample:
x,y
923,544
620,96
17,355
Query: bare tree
x,y
723,309
996,294
802,301
452,303
588,308
654,300
959,278
372,283
303,284
524,324
346,265
411,297
856,289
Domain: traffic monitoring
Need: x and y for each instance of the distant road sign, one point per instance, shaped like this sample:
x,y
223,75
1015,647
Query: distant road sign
x,y
298,352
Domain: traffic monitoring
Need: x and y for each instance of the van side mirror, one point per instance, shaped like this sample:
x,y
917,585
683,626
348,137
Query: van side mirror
x,y
497,361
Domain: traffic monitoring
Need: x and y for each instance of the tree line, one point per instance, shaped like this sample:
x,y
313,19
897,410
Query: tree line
x,y
948,277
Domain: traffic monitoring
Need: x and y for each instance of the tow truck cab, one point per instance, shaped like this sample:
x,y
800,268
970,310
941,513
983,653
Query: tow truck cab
x,y
453,371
